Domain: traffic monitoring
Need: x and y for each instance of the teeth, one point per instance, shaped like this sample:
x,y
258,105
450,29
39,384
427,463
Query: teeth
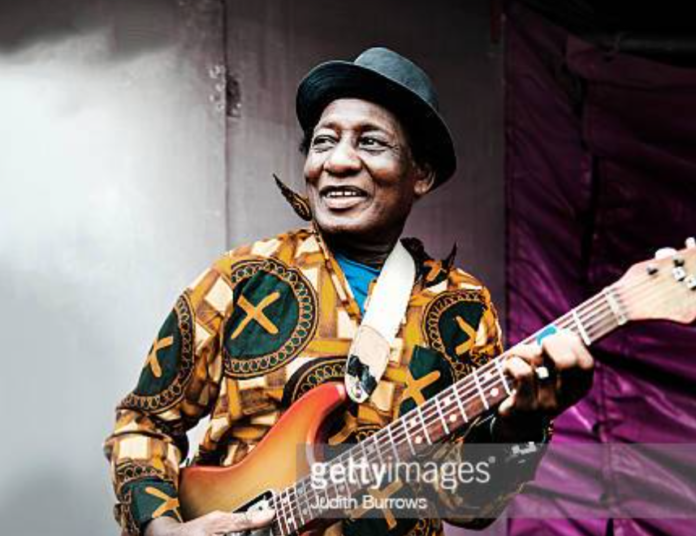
x,y
343,193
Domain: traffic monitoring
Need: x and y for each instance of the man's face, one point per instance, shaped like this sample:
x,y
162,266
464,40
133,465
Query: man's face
x,y
361,177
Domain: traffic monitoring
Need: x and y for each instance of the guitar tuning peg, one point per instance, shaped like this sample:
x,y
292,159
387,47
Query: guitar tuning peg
x,y
691,243
664,253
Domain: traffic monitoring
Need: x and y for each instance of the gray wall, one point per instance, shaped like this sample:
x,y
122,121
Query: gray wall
x,y
121,180
112,199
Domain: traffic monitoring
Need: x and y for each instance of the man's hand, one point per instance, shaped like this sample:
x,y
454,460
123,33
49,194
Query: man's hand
x,y
212,524
568,369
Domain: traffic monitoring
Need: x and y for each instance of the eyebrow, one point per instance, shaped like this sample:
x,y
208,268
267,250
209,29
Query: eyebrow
x,y
366,126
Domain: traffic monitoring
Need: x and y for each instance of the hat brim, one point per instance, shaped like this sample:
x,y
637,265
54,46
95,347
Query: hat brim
x,y
341,79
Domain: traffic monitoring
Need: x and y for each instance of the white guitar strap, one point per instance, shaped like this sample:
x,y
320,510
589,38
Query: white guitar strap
x,y
369,353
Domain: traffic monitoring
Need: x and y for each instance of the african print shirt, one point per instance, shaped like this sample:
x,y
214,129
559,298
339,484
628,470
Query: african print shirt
x,y
264,325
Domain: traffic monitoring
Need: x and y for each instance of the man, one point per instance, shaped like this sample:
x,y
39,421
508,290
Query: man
x,y
269,321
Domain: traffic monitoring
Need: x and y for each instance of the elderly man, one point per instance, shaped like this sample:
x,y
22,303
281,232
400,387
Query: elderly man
x,y
271,320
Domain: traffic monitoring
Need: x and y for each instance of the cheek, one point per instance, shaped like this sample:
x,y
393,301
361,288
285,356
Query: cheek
x,y
312,168
390,205
394,193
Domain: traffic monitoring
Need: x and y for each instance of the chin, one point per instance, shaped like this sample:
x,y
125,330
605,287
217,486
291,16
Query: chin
x,y
342,227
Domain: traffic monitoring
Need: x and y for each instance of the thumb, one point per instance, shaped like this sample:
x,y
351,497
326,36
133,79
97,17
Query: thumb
x,y
253,519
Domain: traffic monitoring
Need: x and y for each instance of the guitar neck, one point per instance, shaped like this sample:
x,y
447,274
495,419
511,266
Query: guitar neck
x,y
440,416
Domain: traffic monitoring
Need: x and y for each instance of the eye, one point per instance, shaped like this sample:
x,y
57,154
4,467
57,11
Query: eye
x,y
372,143
322,141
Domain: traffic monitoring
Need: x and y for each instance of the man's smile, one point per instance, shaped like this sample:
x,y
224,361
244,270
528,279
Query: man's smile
x,y
342,197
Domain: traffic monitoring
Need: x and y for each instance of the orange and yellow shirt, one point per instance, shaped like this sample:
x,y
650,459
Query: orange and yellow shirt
x,y
262,326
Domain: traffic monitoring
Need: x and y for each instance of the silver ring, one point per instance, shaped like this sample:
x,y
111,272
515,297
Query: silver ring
x,y
542,373
237,533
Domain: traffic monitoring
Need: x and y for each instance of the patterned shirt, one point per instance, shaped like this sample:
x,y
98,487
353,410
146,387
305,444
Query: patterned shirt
x,y
256,331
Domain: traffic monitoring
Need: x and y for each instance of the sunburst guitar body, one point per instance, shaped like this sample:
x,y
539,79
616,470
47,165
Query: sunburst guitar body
x,y
282,458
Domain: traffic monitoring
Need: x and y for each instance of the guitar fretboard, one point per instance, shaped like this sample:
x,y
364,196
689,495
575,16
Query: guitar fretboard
x,y
438,417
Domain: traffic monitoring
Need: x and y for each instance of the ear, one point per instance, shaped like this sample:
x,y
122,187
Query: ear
x,y
425,181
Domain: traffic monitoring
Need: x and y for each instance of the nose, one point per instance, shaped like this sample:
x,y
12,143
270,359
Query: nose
x,y
343,159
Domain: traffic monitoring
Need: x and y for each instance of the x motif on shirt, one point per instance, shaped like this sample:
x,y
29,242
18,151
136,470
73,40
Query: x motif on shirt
x,y
255,312
381,495
414,388
471,334
170,504
152,361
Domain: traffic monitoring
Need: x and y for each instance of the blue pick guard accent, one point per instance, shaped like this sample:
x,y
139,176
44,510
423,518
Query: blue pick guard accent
x,y
548,330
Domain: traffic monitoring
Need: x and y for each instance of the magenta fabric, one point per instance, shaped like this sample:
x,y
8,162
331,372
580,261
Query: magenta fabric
x,y
600,172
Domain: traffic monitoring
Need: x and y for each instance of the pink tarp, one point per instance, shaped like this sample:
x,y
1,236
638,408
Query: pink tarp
x,y
601,171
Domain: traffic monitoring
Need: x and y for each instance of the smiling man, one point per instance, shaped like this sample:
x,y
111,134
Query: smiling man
x,y
362,179
272,320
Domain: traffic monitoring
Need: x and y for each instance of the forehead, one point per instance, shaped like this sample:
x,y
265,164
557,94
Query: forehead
x,y
358,114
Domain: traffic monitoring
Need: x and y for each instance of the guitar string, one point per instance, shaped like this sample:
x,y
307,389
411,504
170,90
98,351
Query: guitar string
x,y
433,409
596,326
581,310
447,410
484,370
445,407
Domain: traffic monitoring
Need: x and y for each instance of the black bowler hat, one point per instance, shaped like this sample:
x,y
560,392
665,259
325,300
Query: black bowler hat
x,y
390,80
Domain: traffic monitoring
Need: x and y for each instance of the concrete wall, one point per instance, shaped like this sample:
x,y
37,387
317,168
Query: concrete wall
x,y
111,200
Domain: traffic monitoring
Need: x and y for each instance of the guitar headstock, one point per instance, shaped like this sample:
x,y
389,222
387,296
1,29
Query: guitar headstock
x,y
663,288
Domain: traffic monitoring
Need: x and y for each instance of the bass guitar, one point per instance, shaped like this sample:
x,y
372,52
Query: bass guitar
x,y
273,475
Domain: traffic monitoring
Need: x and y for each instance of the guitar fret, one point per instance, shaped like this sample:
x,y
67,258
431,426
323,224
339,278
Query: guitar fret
x,y
614,305
292,510
491,380
501,373
369,467
448,403
393,444
425,428
310,495
442,416
336,491
279,515
581,329
408,439
482,395
461,406
379,452
346,490
326,495
287,510
282,509
305,506
299,508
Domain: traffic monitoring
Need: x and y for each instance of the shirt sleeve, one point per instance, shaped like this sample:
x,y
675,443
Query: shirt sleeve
x,y
507,467
178,384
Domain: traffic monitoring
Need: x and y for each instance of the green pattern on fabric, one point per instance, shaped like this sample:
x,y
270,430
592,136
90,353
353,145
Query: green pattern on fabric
x,y
162,364
277,310
272,321
144,504
454,337
374,523
432,373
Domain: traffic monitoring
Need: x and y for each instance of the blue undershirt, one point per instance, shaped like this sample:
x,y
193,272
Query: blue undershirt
x,y
359,277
